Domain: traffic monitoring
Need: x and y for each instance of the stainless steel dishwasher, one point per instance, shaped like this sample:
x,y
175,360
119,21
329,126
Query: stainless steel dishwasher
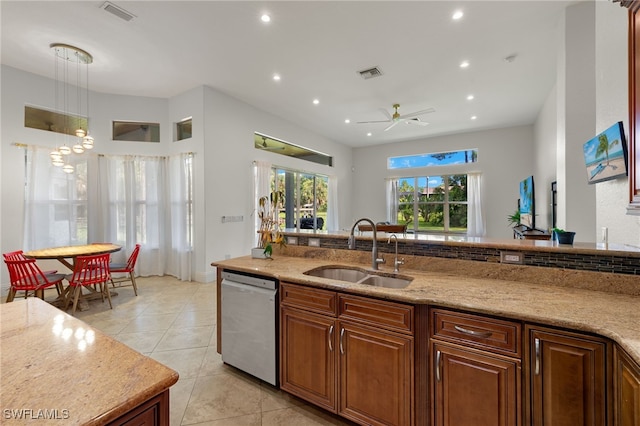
x,y
249,307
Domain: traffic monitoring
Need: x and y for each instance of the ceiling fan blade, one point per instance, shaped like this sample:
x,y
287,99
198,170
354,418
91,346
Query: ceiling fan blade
x,y
416,121
415,114
378,121
387,114
392,124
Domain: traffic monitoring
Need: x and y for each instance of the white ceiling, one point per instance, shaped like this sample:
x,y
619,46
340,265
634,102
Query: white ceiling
x,y
317,47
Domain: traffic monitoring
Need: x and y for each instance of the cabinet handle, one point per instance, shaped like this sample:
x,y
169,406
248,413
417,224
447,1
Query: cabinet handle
x,y
341,347
438,359
331,339
536,343
482,334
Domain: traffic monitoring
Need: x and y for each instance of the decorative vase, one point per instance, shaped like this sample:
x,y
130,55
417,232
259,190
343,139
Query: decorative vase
x,y
564,237
258,253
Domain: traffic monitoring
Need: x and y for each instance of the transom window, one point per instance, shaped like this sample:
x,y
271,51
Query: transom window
x,y
433,159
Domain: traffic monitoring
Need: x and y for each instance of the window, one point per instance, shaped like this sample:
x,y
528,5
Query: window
x,y
432,203
183,129
305,198
51,121
135,131
433,159
276,146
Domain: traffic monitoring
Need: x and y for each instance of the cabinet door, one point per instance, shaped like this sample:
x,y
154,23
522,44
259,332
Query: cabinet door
x,y
474,388
566,378
308,356
376,375
627,388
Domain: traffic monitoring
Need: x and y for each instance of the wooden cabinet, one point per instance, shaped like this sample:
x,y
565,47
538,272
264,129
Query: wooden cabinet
x,y
626,390
354,358
476,371
566,378
154,412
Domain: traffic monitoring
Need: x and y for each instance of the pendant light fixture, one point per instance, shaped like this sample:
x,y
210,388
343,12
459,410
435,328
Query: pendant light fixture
x,y
64,56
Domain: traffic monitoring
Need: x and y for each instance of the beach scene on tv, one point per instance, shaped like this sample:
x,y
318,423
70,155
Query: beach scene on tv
x,y
605,155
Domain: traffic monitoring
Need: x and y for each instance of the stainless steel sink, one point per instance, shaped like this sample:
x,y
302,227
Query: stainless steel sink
x,y
360,276
339,273
383,281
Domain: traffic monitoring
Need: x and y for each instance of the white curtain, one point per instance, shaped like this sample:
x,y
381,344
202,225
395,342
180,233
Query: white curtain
x,y
55,205
476,226
332,207
148,200
261,187
392,200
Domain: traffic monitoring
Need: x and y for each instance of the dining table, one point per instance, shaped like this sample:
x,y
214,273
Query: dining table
x,y
67,256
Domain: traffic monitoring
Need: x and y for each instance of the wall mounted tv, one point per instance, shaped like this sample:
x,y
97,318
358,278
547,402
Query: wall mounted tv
x,y
527,203
606,155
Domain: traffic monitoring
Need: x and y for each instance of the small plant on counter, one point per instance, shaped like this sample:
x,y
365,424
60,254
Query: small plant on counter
x,y
514,218
268,213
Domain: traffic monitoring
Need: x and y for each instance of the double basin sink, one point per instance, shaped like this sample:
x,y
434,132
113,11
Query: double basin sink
x,y
360,276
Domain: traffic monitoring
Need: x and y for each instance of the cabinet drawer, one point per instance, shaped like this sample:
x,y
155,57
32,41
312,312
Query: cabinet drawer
x,y
392,316
312,299
499,336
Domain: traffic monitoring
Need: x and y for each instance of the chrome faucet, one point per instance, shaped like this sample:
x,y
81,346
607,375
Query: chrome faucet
x,y
374,249
396,262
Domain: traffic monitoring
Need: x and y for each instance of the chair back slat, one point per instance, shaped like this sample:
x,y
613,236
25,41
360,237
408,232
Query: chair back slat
x,y
89,270
14,255
131,263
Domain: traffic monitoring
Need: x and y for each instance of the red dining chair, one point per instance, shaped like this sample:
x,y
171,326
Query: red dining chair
x,y
89,271
26,276
126,268
19,254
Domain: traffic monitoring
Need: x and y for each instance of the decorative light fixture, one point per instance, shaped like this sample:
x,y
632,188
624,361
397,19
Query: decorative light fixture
x,y
64,55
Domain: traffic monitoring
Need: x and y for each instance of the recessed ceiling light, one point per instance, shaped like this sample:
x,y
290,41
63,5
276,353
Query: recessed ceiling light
x,y
457,15
473,117
316,101
347,121
470,97
276,77
265,18
464,64
369,134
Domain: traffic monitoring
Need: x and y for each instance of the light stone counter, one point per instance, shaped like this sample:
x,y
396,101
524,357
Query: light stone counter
x,y
536,295
55,369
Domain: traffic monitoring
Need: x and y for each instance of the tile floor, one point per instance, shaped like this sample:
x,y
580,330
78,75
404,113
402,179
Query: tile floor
x,y
174,322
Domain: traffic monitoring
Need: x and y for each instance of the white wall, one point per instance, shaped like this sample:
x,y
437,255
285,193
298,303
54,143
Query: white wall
x,y
612,106
229,153
545,135
504,158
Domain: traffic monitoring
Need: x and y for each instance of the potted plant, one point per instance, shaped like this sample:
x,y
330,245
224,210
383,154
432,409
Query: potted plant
x,y
269,231
562,236
514,218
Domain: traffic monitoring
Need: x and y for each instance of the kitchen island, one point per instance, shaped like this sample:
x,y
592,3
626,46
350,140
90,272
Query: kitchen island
x,y
55,369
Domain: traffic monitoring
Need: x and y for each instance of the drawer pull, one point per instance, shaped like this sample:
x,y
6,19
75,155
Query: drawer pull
x,y
331,339
341,336
438,359
481,334
536,343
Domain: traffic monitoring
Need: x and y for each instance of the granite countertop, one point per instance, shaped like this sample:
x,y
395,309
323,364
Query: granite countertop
x,y
56,368
540,299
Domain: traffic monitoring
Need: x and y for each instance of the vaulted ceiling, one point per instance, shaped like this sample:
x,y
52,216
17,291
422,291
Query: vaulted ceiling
x,y
317,49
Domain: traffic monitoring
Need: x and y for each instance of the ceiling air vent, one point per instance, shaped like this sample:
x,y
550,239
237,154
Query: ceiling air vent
x,y
370,73
118,11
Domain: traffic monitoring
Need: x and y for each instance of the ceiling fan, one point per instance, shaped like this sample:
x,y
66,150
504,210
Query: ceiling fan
x,y
267,147
411,118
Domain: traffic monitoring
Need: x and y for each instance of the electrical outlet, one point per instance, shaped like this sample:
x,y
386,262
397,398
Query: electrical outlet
x,y
314,242
292,241
511,257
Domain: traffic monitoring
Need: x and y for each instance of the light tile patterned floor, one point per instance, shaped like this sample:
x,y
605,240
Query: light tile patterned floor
x,y
174,322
